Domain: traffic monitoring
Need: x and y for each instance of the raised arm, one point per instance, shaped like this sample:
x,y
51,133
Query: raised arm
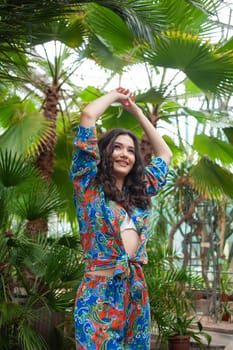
x,y
159,146
97,107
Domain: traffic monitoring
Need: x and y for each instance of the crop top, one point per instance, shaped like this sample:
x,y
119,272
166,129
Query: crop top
x,y
100,220
127,224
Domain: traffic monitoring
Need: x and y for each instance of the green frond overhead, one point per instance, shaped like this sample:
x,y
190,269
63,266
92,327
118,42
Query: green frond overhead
x,y
196,18
207,67
144,18
116,117
72,35
109,28
71,32
89,94
207,6
153,95
211,180
14,64
26,134
213,148
226,46
105,57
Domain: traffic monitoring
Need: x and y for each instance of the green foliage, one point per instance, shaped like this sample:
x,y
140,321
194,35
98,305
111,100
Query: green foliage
x,y
211,180
214,148
57,267
172,307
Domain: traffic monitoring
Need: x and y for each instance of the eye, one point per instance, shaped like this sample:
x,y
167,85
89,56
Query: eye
x,y
117,146
131,150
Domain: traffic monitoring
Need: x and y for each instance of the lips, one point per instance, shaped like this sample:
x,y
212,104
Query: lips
x,y
122,163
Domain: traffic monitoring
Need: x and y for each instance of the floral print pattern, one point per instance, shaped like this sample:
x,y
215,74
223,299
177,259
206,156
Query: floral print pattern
x,y
110,312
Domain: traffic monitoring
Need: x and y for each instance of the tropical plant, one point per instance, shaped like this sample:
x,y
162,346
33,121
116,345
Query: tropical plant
x,y
172,306
116,35
26,301
39,274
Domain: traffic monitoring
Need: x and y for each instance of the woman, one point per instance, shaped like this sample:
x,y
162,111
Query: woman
x,y
112,191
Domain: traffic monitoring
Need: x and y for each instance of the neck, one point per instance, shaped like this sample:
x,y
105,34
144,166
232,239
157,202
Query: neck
x,y
119,184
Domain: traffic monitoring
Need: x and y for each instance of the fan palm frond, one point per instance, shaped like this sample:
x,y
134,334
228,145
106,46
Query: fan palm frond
x,y
105,57
206,6
153,95
211,180
27,134
213,148
14,170
107,25
40,203
207,67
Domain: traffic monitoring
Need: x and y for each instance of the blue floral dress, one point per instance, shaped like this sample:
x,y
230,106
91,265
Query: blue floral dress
x,y
110,312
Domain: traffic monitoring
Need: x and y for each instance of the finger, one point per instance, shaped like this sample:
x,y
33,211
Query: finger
x,y
133,98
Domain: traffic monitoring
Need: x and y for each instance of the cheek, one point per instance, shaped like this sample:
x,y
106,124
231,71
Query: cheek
x,y
114,154
132,158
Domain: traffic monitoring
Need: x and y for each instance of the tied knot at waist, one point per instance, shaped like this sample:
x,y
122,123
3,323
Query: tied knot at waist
x,y
126,266
123,265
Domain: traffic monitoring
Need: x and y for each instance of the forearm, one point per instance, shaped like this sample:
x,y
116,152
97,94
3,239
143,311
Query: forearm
x,y
96,108
159,146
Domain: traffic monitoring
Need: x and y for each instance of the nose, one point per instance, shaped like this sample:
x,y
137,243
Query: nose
x,y
124,152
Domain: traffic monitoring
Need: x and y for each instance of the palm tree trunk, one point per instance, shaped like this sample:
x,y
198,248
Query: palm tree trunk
x,y
45,159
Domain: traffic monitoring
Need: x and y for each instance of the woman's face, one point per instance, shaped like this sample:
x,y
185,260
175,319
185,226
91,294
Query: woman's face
x,y
123,156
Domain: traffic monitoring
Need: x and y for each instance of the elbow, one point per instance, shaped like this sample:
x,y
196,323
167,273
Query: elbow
x,y
86,114
87,118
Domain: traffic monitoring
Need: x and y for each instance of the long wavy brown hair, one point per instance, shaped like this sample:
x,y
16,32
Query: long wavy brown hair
x,y
134,189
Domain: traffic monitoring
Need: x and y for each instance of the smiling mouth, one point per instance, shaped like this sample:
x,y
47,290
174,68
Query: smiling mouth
x,y
121,163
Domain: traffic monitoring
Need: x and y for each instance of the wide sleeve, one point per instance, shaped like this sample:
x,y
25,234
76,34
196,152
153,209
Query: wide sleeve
x,y
85,157
155,175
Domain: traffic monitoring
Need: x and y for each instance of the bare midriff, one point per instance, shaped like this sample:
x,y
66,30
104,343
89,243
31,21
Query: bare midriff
x,y
102,272
130,242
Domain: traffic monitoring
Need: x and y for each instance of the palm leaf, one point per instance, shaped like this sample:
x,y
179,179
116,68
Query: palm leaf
x,y
39,203
196,20
27,134
211,180
207,67
29,18
153,95
106,57
110,28
207,6
29,338
71,32
142,17
15,171
213,148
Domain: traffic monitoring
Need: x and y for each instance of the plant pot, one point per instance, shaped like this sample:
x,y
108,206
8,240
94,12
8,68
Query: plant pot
x,y
226,316
224,297
179,342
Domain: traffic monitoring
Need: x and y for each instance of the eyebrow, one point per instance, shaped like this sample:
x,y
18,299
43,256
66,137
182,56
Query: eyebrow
x,y
121,144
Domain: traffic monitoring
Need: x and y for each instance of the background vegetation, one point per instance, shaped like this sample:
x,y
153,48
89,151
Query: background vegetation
x,y
182,55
